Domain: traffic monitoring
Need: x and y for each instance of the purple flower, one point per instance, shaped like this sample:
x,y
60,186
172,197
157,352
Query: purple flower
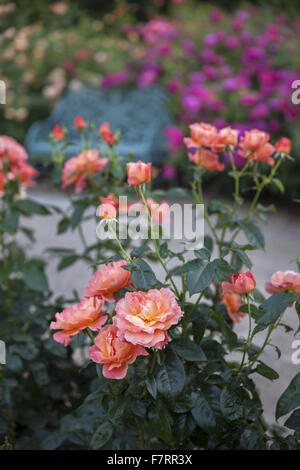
x,y
115,79
175,137
191,103
169,172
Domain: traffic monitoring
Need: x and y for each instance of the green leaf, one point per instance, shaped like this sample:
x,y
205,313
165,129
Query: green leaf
x,y
151,386
102,434
142,275
77,215
186,268
63,225
290,398
253,233
182,404
293,422
170,376
274,306
10,221
200,319
266,371
188,350
27,351
201,278
67,261
203,413
35,278
231,406
229,335
28,207
161,420
140,250
53,441
203,254
250,439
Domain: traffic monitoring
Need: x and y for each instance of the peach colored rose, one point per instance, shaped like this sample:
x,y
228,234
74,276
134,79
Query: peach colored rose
x,y
107,211
144,317
283,145
233,303
12,150
225,137
253,140
114,354
25,173
110,199
108,280
77,169
282,281
86,314
203,134
263,154
241,283
138,173
207,159
79,122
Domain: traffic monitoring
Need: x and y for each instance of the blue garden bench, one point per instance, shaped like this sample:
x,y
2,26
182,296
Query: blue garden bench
x,y
140,114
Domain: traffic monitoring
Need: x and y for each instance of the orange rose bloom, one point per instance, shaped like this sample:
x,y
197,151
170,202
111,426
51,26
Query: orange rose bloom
x,y
241,283
108,280
233,303
283,281
77,169
225,137
138,173
107,211
87,314
203,134
207,159
283,145
253,140
114,354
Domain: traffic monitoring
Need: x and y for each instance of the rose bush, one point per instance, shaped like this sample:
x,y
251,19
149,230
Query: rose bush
x,y
35,382
170,371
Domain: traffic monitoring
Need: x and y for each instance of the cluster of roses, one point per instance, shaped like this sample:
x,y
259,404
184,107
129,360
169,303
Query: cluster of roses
x,y
13,165
206,142
141,319
243,283
87,163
